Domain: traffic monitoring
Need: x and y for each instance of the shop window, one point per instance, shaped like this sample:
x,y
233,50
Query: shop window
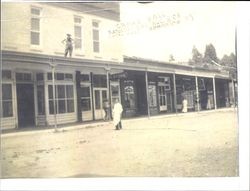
x,y
7,103
85,98
6,74
129,94
64,99
40,100
201,84
152,95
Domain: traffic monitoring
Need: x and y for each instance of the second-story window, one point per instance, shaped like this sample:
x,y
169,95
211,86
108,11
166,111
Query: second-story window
x,y
78,32
35,26
96,42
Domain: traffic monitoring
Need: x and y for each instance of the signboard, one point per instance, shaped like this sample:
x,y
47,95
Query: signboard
x,y
119,75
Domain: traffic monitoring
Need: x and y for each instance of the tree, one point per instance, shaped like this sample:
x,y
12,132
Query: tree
x,y
196,56
229,61
230,64
210,54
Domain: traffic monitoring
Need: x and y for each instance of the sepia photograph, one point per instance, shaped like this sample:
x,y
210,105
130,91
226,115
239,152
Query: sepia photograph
x,y
119,89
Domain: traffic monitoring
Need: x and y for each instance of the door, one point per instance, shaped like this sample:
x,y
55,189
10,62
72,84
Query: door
x,y
86,103
99,96
162,98
25,105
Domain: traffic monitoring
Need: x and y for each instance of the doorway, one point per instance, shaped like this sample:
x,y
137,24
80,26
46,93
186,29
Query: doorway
x,y
25,105
100,94
162,98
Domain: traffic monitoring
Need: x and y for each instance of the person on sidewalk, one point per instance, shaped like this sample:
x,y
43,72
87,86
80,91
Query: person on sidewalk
x,y
117,114
69,45
184,104
106,108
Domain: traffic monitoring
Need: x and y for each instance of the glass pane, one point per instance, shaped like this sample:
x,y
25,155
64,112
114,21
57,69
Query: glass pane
x,y
35,38
114,90
95,24
60,76
96,35
49,76
6,74
6,92
68,77
40,100
39,76
85,91
51,107
35,11
69,90
104,95
78,43
78,32
100,81
7,109
85,77
85,104
61,106
97,99
35,24
77,20
61,91
50,92
70,106
152,95
96,46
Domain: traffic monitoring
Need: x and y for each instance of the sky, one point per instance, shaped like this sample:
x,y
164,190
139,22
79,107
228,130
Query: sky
x,y
201,23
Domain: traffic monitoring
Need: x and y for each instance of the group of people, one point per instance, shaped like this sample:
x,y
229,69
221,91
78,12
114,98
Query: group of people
x,y
116,113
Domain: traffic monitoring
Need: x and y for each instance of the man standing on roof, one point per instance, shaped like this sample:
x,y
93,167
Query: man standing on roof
x,y
69,45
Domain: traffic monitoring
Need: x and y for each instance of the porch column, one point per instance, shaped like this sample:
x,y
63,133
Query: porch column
x,y
146,80
214,90
54,94
175,98
108,87
233,93
197,93
78,96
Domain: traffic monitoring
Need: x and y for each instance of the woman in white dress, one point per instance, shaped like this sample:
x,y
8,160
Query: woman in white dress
x,y
117,114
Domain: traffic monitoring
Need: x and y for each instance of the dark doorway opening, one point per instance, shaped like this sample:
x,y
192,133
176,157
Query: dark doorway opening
x,y
25,105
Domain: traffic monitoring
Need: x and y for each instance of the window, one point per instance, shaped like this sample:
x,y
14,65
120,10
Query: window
x,y
96,42
23,77
100,81
85,78
85,98
78,32
35,26
7,110
165,81
61,76
64,97
129,94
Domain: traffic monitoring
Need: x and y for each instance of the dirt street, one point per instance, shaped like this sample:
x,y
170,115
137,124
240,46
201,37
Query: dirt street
x,y
191,145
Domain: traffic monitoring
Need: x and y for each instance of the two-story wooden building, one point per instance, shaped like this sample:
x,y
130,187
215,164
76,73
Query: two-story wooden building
x,y
32,51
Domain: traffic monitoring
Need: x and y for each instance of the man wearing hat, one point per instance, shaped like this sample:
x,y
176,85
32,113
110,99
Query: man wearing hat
x,y
69,46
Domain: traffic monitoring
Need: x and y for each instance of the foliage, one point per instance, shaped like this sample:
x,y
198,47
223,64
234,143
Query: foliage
x,y
210,54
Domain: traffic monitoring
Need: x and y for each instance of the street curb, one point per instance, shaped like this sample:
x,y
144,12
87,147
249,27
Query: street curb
x,y
96,124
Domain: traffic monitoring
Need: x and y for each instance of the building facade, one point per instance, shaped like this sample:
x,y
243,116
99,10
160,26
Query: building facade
x,y
41,87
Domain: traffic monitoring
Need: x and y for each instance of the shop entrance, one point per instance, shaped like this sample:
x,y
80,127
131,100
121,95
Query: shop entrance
x,y
25,105
100,94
